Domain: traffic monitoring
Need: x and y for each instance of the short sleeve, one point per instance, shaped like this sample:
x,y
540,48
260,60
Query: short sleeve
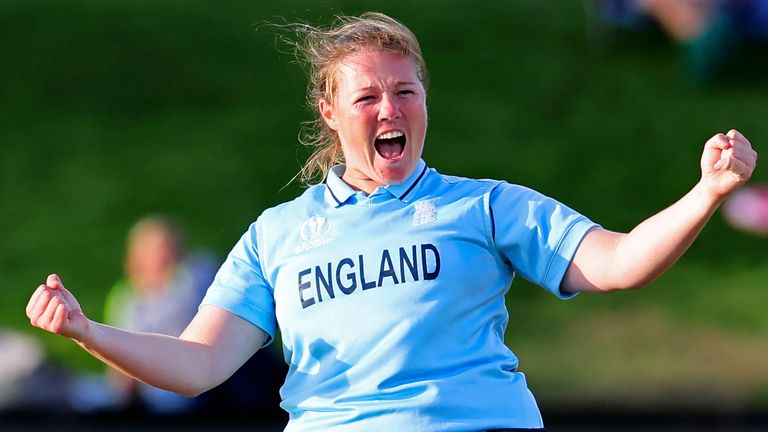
x,y
241,288
535,234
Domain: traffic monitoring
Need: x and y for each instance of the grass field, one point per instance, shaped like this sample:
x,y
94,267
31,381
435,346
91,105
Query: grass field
x,y
110,110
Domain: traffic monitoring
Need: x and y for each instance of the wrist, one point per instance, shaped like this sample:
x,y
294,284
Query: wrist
x,y
705,197
87,335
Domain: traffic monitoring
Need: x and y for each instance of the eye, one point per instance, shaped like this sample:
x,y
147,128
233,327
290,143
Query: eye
x,y
406,92
364,99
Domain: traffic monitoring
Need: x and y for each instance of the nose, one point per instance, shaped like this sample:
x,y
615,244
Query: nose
x,y
388,108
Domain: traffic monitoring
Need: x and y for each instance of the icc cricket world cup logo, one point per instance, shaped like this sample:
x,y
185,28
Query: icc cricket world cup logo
x,y
314,232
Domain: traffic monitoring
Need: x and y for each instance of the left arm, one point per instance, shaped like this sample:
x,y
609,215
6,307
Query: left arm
x,y
609,261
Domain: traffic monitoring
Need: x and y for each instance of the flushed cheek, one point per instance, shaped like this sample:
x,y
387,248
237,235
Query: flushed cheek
x,y
357,144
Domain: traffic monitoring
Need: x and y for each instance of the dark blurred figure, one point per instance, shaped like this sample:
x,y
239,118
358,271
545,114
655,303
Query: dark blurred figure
x,y
160,292
708,31
28,380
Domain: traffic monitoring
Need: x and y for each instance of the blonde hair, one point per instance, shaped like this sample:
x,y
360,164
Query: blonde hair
x,y
320,50
164,224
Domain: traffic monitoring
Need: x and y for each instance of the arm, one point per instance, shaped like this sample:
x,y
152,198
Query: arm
x,y
609,261
214,345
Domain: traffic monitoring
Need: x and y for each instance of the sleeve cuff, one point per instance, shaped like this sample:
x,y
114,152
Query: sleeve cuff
x,y
563,256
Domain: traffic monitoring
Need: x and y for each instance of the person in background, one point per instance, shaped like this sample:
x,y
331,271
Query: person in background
x,y
159,293
709,32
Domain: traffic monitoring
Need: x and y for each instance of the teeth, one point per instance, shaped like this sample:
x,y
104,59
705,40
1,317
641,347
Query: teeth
x,y
390,135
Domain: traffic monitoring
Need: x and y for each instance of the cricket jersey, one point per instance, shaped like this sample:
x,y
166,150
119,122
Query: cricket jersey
x,y
390,305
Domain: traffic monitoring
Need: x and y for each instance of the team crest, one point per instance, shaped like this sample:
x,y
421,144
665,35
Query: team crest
x,y
424,212
314,232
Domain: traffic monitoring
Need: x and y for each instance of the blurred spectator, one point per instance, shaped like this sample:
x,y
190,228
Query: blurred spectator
x,y
27,380
708,31
161,288
160,292
747,209
20,357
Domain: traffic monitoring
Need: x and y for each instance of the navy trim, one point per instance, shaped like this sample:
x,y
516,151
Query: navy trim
x,y
493,224
332,194
414,183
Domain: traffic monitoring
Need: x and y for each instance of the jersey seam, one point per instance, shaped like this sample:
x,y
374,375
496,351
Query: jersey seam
x,y
262,257
487,224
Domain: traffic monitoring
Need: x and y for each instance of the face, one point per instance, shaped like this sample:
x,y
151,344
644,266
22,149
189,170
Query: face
x,y
380,115
151,258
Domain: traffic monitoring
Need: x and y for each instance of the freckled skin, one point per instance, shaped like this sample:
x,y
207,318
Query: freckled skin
x,y
377,92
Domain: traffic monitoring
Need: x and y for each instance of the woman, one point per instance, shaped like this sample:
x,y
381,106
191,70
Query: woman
x,y
387,281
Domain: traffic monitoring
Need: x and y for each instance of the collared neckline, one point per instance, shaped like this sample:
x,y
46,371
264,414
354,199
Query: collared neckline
x,y
404,190
337,192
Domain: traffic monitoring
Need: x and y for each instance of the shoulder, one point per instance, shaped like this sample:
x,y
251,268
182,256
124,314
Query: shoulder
x,y
308,202
444,183
515,191
490,190
494,192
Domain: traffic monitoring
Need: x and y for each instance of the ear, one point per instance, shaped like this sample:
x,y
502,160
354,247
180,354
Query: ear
x,y
326,111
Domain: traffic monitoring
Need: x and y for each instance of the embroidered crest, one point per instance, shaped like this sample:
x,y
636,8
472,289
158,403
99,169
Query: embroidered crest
x,y
314,232
424,212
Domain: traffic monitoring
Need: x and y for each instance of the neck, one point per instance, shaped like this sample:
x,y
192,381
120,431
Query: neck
x,y
360,183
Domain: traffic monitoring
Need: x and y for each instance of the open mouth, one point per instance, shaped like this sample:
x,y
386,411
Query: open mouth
x,y
390,145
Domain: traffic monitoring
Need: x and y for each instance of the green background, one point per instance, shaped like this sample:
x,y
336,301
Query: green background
x,y
113,109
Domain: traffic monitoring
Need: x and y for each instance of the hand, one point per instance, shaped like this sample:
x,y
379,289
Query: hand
x,y
53,308
727,163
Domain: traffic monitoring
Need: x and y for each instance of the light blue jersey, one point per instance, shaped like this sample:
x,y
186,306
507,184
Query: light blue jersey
x,y
391,305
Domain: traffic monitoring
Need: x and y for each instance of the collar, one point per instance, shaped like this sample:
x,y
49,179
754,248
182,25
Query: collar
x,y
337,192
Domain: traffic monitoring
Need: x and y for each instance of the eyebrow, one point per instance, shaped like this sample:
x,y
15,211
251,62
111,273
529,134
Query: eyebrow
x,y
399,83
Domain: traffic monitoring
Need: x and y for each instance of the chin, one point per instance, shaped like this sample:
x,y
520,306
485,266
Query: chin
x,y
395,175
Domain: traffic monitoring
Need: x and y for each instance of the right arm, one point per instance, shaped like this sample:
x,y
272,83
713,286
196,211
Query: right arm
x,y
214,345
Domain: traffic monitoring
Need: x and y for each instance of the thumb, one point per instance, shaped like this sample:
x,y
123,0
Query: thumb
x,y
54,281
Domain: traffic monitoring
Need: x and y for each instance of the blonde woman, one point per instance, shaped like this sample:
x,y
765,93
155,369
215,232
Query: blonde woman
x,y
387,280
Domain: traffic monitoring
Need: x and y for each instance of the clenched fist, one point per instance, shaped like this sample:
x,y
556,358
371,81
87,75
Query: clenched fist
x,y
53,308
727,163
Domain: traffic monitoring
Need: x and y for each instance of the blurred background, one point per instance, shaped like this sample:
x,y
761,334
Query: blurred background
x,y
113,110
